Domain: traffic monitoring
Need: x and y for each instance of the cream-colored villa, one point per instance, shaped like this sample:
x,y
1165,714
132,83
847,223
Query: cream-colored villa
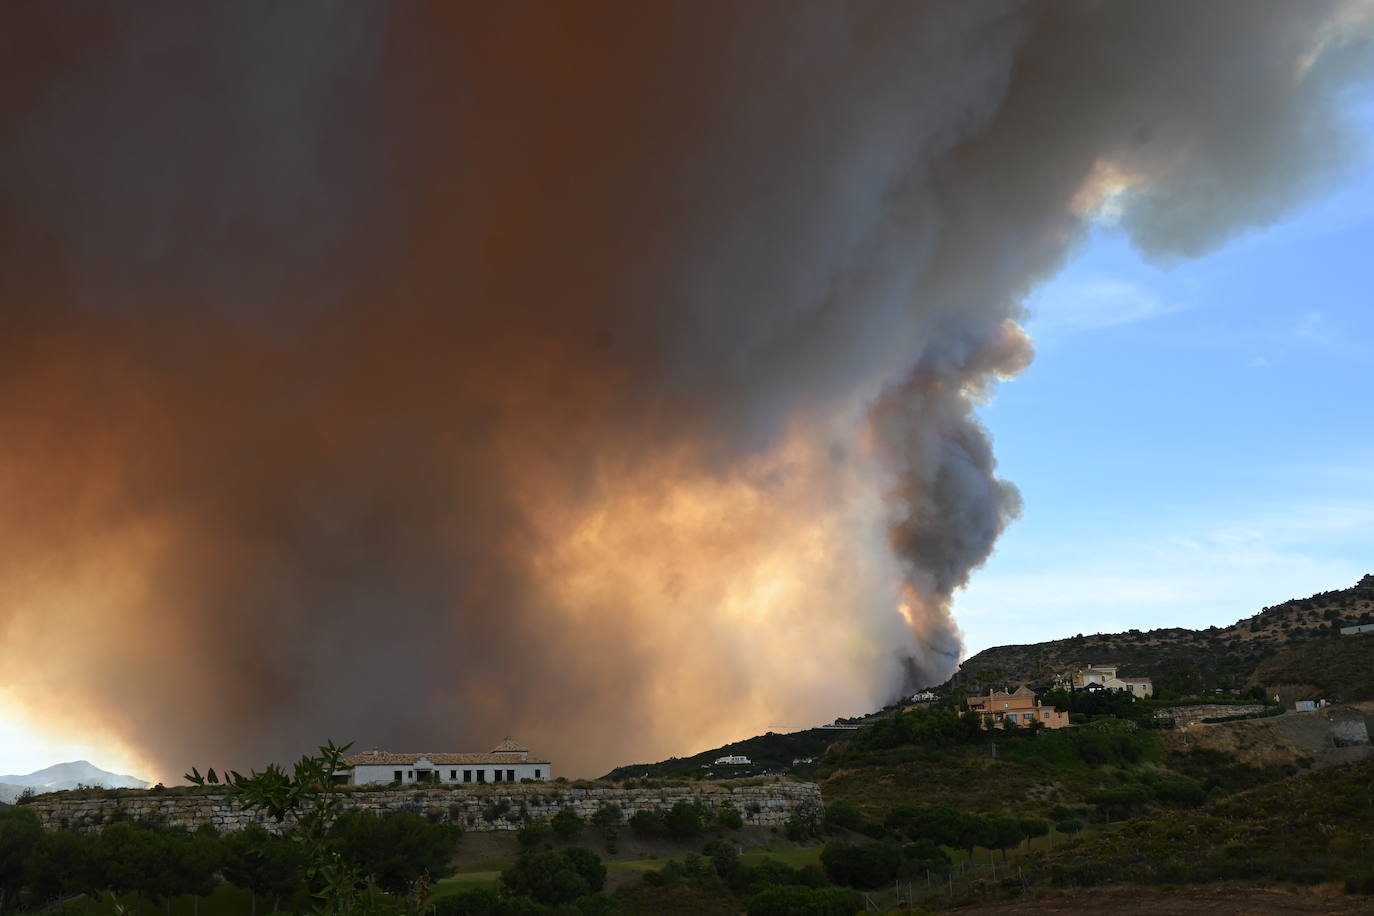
x,y
1106,676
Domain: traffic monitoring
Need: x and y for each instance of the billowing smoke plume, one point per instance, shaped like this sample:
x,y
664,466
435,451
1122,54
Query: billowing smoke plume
x,y
601,374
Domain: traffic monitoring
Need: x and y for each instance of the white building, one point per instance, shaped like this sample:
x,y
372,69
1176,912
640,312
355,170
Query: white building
x,y
508,762
737,760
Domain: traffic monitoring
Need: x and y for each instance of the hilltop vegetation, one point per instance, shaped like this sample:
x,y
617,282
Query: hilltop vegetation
x,y
1341,666
1182,662
769,753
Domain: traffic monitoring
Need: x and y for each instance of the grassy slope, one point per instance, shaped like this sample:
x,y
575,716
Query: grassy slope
x,y
1310,829
1341,665
966,778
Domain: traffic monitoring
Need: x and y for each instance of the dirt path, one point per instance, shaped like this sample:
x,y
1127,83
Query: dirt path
x,y
1184,902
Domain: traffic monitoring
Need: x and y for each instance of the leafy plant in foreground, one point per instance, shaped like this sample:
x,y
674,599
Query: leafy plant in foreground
x,y
306,801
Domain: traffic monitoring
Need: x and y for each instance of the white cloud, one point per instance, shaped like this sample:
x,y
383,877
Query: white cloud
x,y
1093,304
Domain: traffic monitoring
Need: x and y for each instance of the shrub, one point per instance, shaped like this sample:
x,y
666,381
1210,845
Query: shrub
x,y
1361,883
607,819
796,900
1180,792
1070,826
397,849
532,834
728,816
864,866
799,829
845,815
555,877
470,901
608,815
567,824
1123,800
724,857
683,820
648,822
1064,812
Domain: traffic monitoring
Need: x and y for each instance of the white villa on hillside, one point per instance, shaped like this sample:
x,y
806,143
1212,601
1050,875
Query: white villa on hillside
x,y
508,762
1105,676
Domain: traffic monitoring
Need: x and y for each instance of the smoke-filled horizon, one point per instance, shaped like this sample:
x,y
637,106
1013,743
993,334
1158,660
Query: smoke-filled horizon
x,y
600,374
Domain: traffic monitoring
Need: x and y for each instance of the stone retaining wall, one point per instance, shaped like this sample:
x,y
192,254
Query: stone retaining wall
x,y
1191,715
487,808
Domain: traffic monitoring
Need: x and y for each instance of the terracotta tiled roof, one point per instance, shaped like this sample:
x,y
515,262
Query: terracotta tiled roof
x,y
510,746
386,758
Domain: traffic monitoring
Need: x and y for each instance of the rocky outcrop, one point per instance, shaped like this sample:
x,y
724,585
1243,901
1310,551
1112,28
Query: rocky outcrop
x,y
488,808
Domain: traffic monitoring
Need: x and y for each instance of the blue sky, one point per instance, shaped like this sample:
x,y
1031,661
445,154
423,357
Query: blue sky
x,y
1192,443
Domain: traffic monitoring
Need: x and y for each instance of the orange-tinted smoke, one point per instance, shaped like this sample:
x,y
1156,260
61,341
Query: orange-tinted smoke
x,y
601,374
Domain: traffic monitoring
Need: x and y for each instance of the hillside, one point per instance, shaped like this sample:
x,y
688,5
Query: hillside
x,y
1339,667
769,753
1253,837
1180,660
1289,643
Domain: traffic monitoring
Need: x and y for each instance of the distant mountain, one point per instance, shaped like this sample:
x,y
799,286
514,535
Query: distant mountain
x,y
65,776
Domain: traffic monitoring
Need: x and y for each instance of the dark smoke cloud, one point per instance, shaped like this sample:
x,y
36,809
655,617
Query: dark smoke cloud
x,y
598,373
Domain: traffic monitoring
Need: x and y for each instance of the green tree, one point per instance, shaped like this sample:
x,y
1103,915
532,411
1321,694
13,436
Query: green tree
x,y
192,862
568,824
1005,833
65,862
1033,827
397,850
135,861
724,857
647,822
863,866
728,816
261,863
555,876
844,815
531,835
309,796
20,831
683,821
607,819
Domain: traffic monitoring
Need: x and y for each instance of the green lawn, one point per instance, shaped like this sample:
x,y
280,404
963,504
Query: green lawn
x,y
808,855
464,880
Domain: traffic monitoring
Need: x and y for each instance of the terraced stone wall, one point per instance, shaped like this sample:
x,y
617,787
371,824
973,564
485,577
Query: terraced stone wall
x,y
486,808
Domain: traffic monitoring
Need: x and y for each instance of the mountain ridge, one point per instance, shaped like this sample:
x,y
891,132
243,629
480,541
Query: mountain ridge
x,y
66,775
1178,659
